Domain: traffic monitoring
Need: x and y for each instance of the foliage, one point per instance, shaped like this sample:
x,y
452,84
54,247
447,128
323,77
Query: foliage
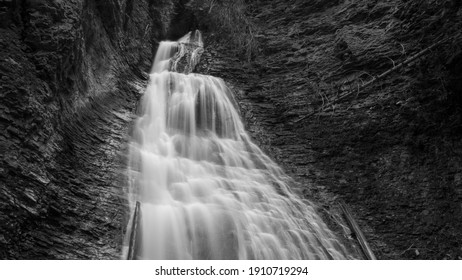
x,y
229,20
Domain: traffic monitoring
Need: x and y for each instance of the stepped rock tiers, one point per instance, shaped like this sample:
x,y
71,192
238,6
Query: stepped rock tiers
x,y
205,190
385,142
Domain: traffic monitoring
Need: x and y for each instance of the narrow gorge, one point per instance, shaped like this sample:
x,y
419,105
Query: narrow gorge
x,y
355,103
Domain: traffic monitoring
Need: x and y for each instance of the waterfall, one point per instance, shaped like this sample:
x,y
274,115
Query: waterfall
x,y
206,191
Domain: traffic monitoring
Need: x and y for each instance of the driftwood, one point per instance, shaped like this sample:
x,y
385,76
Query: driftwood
x,y
133,234
367,251
374,79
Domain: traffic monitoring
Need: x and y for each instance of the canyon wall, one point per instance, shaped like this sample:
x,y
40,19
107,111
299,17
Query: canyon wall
x,y
72,73
391,150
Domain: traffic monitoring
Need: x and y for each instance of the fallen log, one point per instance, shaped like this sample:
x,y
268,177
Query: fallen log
x,y
133,234
365,248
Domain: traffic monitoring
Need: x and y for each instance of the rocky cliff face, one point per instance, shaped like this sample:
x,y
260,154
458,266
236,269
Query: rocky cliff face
x,y
391,150
71,73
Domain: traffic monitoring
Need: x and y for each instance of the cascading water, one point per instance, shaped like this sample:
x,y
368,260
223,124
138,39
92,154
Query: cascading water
x,y
206,191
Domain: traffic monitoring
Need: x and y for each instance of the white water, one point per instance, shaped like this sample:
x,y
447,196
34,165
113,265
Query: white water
x,y
206,191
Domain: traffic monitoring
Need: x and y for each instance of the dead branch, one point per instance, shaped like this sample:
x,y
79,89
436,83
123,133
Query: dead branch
x,y
374,79
133,233
367,251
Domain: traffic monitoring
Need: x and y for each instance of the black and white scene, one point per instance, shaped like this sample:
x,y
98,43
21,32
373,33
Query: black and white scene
x,y
231,130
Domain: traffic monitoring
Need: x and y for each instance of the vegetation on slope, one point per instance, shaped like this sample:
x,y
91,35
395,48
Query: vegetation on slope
x,y
392,150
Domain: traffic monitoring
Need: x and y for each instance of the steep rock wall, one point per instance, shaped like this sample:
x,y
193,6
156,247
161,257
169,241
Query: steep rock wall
x,y
69,73
392,151
70,77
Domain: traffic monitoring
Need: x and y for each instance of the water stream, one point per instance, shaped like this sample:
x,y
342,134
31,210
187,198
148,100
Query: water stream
x,y
206,191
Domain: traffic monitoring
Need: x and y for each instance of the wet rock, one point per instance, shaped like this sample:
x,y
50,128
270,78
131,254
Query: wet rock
x,y
66,70
189,54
